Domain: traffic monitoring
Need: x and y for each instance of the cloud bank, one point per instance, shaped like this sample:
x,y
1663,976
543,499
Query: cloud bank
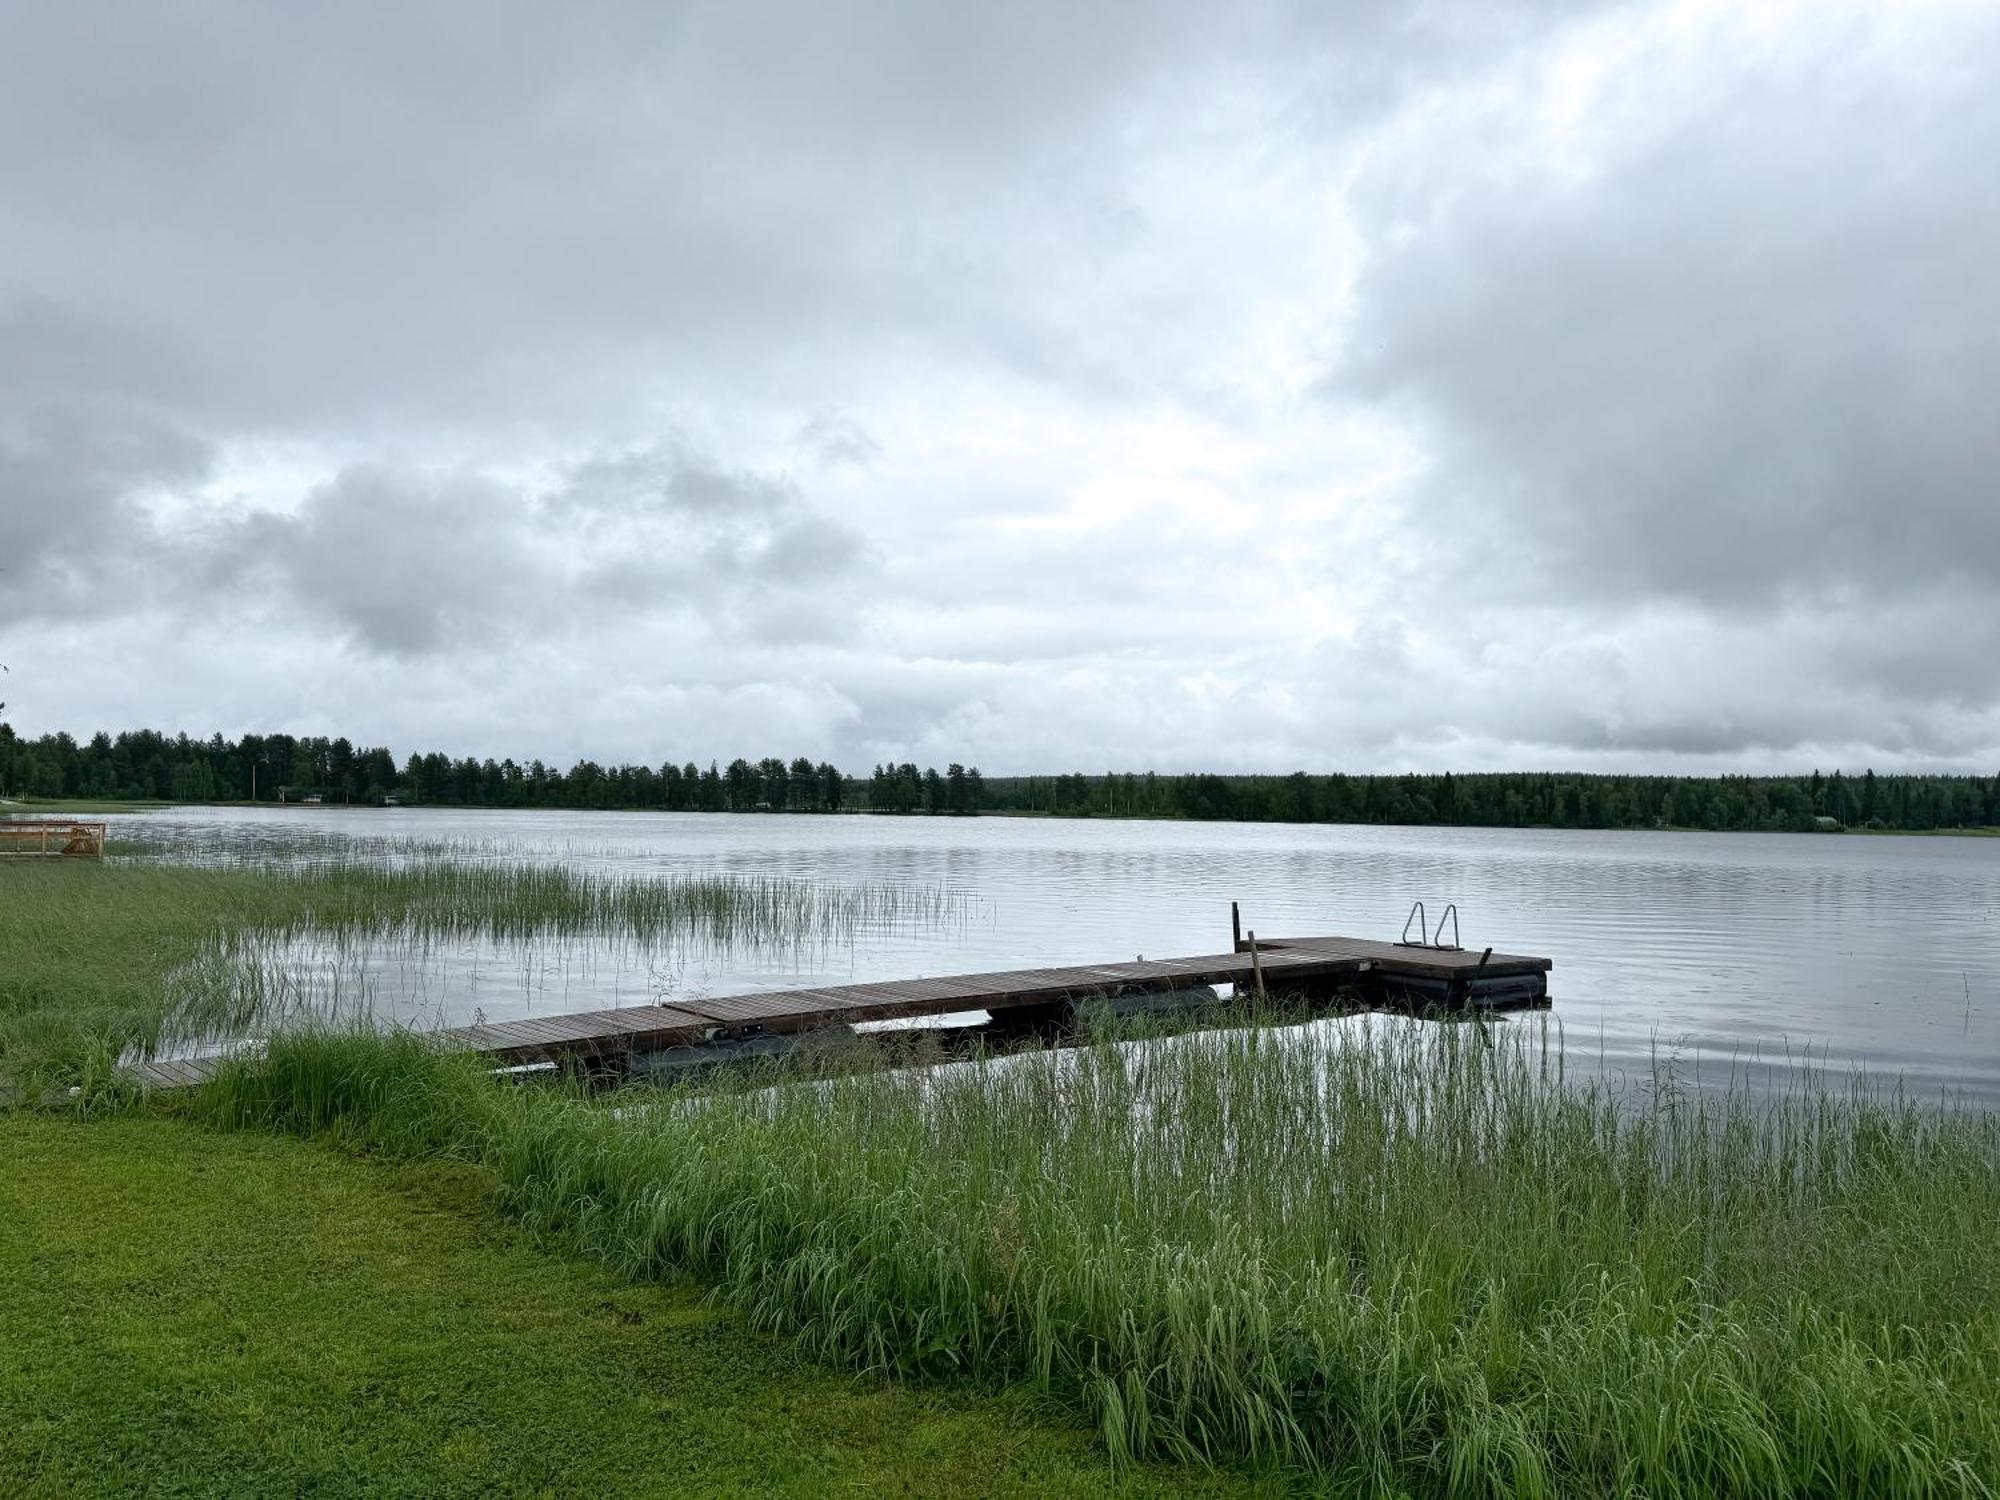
x,y
1367,387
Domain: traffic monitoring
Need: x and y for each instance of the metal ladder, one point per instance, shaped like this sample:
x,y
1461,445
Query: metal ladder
x,y
1418,919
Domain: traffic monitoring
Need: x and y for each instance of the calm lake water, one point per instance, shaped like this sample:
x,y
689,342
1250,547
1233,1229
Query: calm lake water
x,y
1707,948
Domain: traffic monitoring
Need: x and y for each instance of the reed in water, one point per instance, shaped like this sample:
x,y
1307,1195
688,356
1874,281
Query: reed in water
x,y
103,961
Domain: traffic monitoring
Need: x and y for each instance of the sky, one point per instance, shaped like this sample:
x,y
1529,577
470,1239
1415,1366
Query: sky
x,y
1041,386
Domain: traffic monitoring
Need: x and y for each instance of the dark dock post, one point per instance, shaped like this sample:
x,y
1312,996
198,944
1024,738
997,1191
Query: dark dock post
x,y
1235,928
1257,968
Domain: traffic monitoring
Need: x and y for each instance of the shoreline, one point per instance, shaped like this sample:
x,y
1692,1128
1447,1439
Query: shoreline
x,y
80,806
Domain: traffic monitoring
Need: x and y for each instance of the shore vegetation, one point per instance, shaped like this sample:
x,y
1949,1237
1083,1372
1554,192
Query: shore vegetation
x,y
1398,1258
1348,1256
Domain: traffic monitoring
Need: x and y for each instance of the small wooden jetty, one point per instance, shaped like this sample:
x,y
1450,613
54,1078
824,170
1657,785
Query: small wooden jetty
x,y
53,838
1023,1004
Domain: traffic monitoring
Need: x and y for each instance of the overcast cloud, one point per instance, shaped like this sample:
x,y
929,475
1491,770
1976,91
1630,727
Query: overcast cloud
x,y
1041,386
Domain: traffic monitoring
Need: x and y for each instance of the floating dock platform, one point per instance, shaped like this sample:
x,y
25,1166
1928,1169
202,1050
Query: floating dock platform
x,y
1025,1004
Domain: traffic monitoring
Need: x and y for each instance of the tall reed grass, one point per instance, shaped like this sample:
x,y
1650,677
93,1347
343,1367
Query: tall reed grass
x,y
102,961
436,899
1405,1259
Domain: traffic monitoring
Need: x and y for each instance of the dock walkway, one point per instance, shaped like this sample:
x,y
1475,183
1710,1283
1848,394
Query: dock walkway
x,y
1381,973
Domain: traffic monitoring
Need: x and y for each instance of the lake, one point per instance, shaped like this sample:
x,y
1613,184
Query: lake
x,y
1708,948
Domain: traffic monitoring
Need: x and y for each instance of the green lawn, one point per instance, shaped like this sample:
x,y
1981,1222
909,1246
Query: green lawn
x,y
190,1312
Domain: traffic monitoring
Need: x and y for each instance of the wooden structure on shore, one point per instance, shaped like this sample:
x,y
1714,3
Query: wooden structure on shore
x,y
55,838
1022,1004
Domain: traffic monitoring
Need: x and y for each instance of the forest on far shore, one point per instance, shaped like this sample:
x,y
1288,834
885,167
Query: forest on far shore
x,y
147,765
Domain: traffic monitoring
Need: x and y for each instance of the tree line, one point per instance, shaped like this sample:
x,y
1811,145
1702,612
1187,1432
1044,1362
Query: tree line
x,y
905,789
1507,799
144,764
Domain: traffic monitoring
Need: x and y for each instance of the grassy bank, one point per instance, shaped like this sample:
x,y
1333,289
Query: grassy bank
x,y
193,1313
1406,1263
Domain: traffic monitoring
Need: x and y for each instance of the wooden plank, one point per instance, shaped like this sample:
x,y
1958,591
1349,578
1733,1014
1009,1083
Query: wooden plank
x,y
701,1011
877,994
578,1030
631,1018
575,1024
735,1010
944,987
175,1072
155,1073
838,998
529,1029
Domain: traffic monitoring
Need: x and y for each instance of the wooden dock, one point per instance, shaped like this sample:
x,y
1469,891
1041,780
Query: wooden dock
x,y
1353,971
54,838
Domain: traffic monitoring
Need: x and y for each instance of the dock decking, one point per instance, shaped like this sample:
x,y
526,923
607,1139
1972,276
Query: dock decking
x,y
1385,973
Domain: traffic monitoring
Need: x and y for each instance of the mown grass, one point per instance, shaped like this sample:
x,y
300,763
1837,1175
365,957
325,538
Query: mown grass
x,y
1408,1260
194,1313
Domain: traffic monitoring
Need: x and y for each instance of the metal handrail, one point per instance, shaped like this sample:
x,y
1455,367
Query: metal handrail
x,y
1423,929
1454,945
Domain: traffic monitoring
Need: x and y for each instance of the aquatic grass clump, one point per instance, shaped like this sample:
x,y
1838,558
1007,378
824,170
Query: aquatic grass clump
x,y
360,943
1403,1258
438,899
121,959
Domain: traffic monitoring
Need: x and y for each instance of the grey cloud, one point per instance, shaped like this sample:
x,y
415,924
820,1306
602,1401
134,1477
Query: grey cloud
x,y
413,563
832,438
811,547
73,534
1938,648
397,559
695,530
536,211
910,347
50,352
1747,351
85,438
1675,686
404,562
786,620
671,476
478,214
